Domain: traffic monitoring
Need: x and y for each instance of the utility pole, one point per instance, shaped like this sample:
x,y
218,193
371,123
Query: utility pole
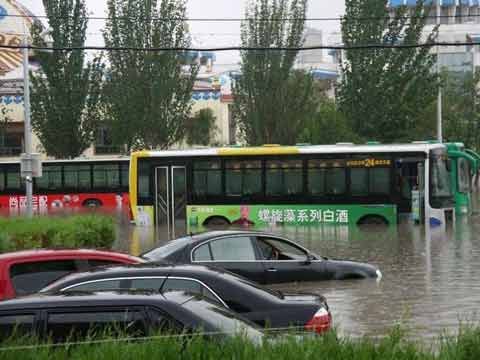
x,y
27,125
439,99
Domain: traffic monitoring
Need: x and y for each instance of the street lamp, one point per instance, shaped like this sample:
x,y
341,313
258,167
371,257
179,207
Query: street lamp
x,y
30,162
439,98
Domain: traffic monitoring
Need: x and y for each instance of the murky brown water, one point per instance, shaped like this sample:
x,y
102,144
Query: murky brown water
x,y
431,281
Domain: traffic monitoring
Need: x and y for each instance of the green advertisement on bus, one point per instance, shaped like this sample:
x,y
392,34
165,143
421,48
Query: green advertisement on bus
x,y
298,215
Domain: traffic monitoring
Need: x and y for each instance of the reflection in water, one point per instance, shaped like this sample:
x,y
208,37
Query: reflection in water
x,y
430,278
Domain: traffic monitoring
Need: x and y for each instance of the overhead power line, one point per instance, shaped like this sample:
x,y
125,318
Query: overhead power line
x,y
246,48
284,19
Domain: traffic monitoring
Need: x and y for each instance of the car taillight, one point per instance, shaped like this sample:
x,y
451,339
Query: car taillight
x,y
320,322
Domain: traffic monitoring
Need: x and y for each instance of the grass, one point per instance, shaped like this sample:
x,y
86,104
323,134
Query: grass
x,y
465,346
89,231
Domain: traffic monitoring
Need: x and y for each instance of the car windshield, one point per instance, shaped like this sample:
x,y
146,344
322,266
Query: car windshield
x,y
224,320
166,250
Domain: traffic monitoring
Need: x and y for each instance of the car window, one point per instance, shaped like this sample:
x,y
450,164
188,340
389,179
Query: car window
x,y
64,326
233,249
98,286
202,253
147,284
189,286
15,324
163,323
276,249
168,249
30,277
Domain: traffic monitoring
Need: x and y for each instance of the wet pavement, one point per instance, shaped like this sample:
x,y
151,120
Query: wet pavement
x,y
431,278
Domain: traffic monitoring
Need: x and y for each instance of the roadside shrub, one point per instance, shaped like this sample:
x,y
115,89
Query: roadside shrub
x,y
89,231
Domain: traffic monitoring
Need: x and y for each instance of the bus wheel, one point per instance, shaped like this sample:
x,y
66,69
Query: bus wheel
x,y
216,222
92,203
375,220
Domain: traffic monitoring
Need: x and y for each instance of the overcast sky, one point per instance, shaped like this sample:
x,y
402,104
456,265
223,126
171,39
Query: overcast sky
x,y
210,34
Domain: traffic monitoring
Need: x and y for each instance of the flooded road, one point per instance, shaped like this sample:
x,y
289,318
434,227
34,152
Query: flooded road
x,y
431,279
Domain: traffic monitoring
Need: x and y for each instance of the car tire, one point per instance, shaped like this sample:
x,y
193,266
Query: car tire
x,y
370,221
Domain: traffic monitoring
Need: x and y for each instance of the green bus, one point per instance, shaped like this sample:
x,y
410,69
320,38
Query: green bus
x,y
183,191
464,166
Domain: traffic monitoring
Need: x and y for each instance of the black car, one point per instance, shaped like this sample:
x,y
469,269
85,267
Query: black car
x,y
261,257
74,317
265,307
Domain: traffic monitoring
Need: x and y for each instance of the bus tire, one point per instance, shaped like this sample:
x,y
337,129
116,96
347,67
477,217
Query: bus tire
x,y
92,203
376,220
216,222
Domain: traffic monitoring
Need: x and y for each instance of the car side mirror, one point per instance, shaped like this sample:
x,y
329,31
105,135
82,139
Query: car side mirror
x,y
309,259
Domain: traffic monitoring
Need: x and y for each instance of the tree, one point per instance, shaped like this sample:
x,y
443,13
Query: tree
x,y
147,94
200,129
384,91
271,100
461,119
327,126
66,89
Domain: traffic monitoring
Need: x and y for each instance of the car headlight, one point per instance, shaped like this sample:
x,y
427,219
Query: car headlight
x,y
379,275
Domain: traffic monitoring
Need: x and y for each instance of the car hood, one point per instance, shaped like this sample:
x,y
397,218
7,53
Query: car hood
x,y
353,268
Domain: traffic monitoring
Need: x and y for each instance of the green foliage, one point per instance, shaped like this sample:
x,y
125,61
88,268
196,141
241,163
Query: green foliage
x,y
90,231
200,129
147,94
383,92
66,89
461,119
395,346
272,101
327,126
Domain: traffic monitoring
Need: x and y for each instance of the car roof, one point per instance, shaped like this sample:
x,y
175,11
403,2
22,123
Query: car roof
x,y
41,253
89,299
220,233
147,269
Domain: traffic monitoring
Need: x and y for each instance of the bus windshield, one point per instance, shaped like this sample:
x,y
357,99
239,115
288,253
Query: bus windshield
x,y
440,187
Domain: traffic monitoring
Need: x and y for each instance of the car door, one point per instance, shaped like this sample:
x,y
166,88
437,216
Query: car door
x,y
286,262
233,253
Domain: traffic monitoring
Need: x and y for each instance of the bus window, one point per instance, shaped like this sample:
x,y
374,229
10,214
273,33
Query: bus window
x,y
106,176
252,175
207,178
144,181
51,178
379,180
13,179
335,180
316,177
77,177
2,180
124,168
463,172
284,177
243,178
359,181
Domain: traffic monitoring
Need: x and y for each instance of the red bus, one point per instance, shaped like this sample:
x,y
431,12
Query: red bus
x,y
67,184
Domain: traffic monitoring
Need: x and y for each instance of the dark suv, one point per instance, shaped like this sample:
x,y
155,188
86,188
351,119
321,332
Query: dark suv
x,y
76,316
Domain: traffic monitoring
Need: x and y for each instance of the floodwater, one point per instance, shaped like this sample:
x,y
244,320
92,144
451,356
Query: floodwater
x,y
430,284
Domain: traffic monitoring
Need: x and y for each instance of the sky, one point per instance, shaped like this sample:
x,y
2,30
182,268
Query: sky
x,y
211,34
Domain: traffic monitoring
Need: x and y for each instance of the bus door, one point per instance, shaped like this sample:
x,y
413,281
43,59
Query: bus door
x,y
407,181
170,201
